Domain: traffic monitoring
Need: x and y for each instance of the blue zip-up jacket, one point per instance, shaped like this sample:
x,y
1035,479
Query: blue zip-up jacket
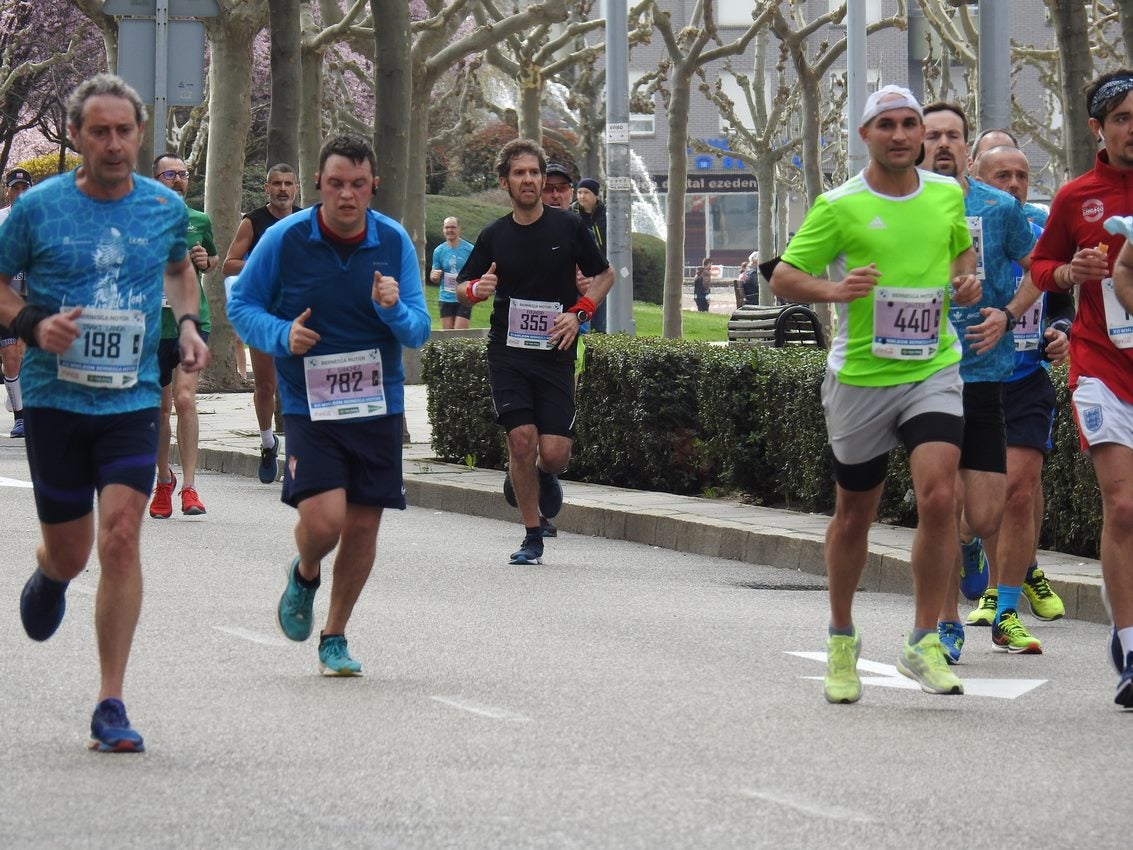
x,y
293,267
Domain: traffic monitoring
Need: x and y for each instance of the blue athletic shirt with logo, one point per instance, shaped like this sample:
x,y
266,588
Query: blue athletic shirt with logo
x,y
1007,236
442,255
294,267
79,251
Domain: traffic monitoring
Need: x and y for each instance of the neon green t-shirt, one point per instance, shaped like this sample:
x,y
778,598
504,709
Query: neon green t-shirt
x,y
900,333
200,233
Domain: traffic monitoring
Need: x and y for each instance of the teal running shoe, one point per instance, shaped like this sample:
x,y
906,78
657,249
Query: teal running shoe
x,y
973,569
334,657
110,730
842,683
296,606
924,662
951,636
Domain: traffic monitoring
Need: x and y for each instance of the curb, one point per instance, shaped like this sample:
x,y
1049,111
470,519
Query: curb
x,y
792,542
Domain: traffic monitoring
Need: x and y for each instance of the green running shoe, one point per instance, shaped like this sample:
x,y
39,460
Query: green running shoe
x,y
924,663
984,613
841,683
1045,603
334,657
1010,634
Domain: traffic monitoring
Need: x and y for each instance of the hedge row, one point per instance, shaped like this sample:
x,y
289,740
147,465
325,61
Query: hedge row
x,y
696,418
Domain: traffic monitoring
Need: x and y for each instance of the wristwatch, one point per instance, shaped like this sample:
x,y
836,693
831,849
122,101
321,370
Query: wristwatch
x,y
1011,320
583,316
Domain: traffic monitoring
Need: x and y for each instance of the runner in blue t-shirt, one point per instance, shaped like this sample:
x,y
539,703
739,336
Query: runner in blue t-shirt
x,y
1000,234
448,259
99,247
1029,407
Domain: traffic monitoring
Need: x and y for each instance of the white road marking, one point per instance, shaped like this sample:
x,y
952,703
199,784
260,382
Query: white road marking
x,y
491,711
890,677
812,809
254,637
14,482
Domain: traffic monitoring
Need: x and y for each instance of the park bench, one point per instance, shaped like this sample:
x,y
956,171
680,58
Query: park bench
x,y
777,325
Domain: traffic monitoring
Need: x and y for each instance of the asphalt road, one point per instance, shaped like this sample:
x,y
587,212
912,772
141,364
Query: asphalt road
x,y
618,696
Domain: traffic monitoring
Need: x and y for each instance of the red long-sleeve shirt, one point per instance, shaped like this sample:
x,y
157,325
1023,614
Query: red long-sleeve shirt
x,y
1076,216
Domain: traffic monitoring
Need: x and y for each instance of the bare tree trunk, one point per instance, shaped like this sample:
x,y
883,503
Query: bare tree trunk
x,y
283,120
230,116
1071,30
765,180
671,324
310,122
531,104
394,89
1125,10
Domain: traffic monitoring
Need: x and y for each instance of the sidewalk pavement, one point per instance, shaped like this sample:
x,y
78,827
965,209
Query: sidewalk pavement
x,y
229,442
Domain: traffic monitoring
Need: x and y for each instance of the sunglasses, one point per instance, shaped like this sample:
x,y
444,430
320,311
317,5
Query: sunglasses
x,y
171,174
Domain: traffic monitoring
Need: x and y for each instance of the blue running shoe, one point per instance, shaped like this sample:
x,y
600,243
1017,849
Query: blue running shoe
x,y
296,606
17,429
1115,653
952,637
42,605
973,569
110,729
530,551
269,469
509,491
334,657
1124,696
550,494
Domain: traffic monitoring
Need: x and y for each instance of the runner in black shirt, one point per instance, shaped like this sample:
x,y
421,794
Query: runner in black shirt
x,y
526,263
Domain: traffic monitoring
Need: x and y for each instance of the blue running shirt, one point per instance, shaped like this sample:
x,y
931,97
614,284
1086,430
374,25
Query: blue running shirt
x,y
81,252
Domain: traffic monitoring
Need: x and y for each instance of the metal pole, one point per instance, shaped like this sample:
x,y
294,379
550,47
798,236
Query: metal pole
x,y
160,76
856,82
619,315
995,64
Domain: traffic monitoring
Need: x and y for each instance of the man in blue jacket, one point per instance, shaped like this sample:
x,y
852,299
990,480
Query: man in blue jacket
x,y
333,293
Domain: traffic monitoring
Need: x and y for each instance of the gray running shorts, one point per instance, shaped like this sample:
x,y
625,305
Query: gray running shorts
x,y
862,422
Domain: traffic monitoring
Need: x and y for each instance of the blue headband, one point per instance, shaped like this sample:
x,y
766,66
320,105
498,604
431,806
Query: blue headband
x,y
1107,92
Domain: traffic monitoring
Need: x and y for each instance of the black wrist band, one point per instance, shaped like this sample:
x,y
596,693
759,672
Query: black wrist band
x,y
26,321
190,317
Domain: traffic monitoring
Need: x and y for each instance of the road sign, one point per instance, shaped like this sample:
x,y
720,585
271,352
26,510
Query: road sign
x,y
177,8
185,65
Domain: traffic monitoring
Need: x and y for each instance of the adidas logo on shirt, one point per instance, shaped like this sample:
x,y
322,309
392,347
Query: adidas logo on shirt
x,y
877,224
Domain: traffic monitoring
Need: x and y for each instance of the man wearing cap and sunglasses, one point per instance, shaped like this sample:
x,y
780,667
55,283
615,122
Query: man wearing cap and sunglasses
x,y
11,349
893,372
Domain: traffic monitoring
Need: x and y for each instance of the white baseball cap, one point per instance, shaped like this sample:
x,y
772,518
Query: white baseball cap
x,y
886,98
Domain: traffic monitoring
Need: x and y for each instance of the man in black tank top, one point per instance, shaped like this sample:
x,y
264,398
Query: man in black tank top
x,y
282,187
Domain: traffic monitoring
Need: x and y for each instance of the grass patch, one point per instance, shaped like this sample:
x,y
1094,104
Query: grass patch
x,y
707,327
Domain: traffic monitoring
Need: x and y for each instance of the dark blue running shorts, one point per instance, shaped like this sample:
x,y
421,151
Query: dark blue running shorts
x,y
74,455
363,458
1029,407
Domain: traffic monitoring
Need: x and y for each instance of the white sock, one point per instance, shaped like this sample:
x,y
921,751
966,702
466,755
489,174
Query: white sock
x,y
1126,637
267,438
12,385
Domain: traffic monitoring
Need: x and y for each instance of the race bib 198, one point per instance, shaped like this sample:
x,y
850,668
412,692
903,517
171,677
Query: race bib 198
x,y
107,351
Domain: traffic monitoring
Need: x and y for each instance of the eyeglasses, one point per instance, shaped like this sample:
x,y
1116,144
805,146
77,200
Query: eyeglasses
x,y
171,174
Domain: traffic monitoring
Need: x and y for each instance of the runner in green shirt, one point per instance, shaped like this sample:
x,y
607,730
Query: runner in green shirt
x,y
898,251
